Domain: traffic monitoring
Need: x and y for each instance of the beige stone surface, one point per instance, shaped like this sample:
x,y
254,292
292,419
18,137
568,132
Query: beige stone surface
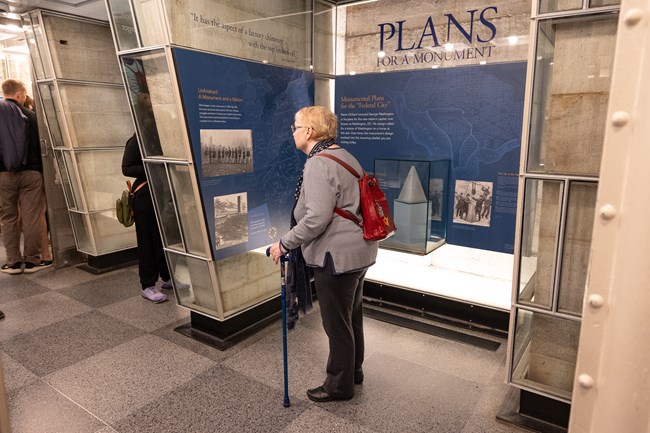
x,y
81,50
275,32
362,34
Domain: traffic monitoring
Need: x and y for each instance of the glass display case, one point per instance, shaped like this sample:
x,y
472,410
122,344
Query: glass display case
x,y
417,195
88,118
568,105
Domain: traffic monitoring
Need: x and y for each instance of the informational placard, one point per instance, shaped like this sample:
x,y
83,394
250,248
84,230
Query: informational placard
x,y
239,115
471,116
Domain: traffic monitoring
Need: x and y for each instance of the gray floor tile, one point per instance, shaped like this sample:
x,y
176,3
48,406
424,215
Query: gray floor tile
x,y
106,289
106,429
26,315
220,400
37,408
479,365
59,345
139,312
15,375
13,287
400,396
62,278
317,420
122,379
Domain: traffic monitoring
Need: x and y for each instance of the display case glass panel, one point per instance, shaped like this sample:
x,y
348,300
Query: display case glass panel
x,y
80,49
545,352
97,116
194,288
149,14
123,23
82,232
108,234
37,46
576,246
600,3
162,195
274,32
157,115
547,6
324,92
416,192
246,280
75,183
539,240
572,78
65,180
52,113
101,177
324,38
189,211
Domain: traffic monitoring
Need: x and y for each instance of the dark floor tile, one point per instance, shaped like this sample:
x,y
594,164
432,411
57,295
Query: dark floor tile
x,y
38,408
59,345
27,314
317,420
219,400
13,287
106,289
62,278
399,396
15,375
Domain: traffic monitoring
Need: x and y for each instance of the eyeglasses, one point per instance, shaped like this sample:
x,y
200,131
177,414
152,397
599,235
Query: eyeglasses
x,y
294,127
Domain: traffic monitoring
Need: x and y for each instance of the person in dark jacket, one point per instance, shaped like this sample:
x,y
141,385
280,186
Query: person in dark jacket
x,y
151,257
21,181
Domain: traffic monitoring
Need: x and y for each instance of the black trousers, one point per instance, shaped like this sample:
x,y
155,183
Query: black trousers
x,y
151,258
340,299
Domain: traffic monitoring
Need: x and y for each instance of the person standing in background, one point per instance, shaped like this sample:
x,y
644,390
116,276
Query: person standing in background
x,y
151,257
21,181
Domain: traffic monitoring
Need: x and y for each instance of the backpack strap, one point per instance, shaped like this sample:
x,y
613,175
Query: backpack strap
x,y
338,210
341,162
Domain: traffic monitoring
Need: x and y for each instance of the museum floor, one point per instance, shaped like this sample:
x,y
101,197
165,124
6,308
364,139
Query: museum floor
x,y
85,353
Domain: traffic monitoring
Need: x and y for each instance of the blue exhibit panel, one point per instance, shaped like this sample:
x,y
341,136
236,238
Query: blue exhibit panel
x,y
471,116
239,115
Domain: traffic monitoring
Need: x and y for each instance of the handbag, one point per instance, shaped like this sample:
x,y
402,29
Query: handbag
x,y
377,221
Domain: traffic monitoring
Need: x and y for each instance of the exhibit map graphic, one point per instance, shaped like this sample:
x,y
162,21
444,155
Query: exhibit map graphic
x,y
239,115
471,116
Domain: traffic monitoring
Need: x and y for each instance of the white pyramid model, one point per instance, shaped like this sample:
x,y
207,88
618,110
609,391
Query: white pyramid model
x,y
412,191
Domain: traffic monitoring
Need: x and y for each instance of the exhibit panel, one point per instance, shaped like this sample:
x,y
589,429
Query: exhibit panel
x,y
87,115
562,147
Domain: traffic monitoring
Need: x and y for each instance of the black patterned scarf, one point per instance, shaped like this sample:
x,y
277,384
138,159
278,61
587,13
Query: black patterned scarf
x,y
318,147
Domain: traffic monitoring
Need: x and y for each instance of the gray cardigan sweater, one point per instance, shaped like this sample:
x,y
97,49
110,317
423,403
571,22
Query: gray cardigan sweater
x,y
319,230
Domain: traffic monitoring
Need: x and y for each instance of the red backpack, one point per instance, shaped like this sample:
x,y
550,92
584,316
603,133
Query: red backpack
x,y
377,221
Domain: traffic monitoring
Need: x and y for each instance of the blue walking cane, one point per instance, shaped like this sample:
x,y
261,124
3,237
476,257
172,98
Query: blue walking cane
x,y
283,283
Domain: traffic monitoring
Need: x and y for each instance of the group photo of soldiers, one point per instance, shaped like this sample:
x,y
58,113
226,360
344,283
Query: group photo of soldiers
x,y
473,202
226,151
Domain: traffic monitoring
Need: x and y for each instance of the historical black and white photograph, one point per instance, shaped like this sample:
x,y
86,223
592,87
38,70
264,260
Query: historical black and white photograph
x,y
231,219
226,151
473,202
435,195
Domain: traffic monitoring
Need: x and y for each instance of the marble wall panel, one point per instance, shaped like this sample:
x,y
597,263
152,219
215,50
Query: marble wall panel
x,y
362,34
150,22
81,50
278,33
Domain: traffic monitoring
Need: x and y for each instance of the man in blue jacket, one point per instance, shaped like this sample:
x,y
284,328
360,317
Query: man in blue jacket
x,y
21,181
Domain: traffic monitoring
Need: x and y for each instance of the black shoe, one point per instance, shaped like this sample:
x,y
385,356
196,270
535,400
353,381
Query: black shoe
x,y
358,378
30,268
2,315
16,268
320,396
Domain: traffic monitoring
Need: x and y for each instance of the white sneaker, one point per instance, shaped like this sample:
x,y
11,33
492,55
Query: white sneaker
x,y
152,294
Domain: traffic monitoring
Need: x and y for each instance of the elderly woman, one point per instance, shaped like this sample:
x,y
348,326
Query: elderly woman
x,y
333,246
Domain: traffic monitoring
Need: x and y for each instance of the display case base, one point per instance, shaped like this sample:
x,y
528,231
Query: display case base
x,y
534,412
431,307
225,334
109,262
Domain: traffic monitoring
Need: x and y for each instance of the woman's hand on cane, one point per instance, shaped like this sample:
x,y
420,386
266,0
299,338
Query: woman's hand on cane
x,y
276,252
